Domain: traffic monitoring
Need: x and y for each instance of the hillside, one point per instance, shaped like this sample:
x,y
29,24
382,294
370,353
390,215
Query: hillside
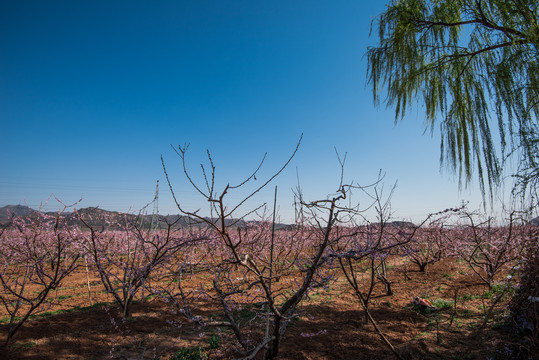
x,y
9,211
100,218
113,220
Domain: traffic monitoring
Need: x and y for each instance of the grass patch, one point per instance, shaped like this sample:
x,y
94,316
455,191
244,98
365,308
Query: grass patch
x,y
196,353
22,346
245,315
47,314
442,304
447,276
214,342
468,297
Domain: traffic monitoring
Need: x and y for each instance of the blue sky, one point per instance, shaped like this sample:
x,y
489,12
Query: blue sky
x,y
93,93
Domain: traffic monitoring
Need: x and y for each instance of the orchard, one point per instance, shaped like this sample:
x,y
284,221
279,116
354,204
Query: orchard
x,y
332,285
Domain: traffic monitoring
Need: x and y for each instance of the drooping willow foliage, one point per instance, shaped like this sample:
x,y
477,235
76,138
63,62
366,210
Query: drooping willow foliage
x,y
474,67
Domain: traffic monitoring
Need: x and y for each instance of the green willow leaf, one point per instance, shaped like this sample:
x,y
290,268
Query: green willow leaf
x,y
473,66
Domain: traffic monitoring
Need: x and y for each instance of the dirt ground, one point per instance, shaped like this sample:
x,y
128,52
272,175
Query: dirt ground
x,y
331,323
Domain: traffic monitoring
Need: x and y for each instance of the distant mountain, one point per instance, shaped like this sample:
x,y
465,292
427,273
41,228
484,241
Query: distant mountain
x,y
94,216
111,220
402,224
10,211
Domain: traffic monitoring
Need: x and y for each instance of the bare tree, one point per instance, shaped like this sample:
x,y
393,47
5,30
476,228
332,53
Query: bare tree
x,y
126,259
260,274
36,254
486,246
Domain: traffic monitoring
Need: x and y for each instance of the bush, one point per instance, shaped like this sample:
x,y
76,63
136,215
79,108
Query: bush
x,y
196,353
524,305
442,304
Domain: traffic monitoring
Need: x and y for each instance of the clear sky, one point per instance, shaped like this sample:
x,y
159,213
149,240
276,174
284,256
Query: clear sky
x,y
92,93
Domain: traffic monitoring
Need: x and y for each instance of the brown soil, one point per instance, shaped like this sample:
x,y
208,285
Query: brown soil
x,y
333,316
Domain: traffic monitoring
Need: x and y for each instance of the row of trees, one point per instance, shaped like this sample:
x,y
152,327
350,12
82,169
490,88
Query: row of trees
x,y
254,268
472,65
468,62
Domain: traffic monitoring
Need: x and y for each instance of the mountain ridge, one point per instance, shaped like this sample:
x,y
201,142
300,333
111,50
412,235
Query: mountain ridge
x,y
96,217
99,218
